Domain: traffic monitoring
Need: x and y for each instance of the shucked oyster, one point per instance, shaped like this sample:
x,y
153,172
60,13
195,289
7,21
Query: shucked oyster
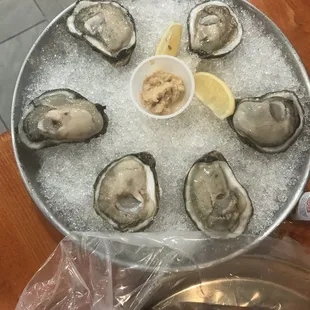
x,y
214,199
214,30
60,116
270,123
107,26
126,192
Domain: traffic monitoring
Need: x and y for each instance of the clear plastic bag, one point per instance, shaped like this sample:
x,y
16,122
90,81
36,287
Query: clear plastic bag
x,y
136,271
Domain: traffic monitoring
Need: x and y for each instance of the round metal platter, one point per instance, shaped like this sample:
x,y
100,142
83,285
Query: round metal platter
x,y
29,165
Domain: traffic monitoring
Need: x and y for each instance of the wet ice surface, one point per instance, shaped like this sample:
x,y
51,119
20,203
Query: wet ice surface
x,y
68,171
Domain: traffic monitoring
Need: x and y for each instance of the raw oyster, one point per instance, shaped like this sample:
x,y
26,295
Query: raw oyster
x,y
126,192
107,26
214,29
270,123
61,116
214,199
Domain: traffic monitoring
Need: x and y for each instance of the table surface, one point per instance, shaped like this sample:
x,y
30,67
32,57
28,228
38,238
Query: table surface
x,y
27,238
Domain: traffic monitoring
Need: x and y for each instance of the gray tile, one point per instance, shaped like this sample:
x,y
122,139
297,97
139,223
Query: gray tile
x,y
65,3
2,127
49,8
17,16
12,55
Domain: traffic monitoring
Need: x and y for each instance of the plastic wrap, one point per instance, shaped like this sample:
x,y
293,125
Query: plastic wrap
x,y
136,271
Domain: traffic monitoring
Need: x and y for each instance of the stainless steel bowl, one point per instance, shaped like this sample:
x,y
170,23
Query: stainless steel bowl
x,y
28,165
247,281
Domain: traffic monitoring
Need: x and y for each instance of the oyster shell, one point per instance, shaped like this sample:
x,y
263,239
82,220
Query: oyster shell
x,y
270,123
106,26
214,29
214,199
61,116
126,192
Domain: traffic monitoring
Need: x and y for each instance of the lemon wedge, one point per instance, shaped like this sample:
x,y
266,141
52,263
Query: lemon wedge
x,y
171,41
215,94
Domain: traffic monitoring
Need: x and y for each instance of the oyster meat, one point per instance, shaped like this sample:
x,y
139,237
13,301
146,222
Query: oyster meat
x,y
270,123
107,26
126,192
60,116
214,199
214,29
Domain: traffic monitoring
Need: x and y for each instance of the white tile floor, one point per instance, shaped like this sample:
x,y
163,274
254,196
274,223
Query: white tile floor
x,y
21,22
17,16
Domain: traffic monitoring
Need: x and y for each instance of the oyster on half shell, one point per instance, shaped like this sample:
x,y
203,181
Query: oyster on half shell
x,y
106,26
126,192
61,116
270,123
214,199
214,29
